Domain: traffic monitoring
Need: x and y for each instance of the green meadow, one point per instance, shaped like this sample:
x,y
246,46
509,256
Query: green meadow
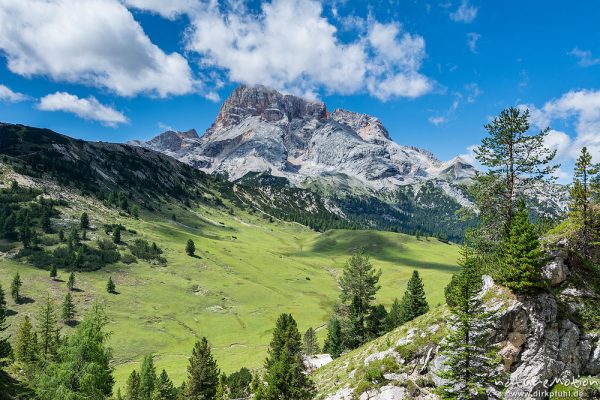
x,y
246,272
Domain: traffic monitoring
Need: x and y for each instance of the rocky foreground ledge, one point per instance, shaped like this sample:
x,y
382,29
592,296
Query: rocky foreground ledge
x,y
539,337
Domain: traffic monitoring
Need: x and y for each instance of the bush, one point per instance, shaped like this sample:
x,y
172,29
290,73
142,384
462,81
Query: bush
x,y
128,259
146,251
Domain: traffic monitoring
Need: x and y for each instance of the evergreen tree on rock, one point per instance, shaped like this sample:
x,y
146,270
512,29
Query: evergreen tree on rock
x,y
203,373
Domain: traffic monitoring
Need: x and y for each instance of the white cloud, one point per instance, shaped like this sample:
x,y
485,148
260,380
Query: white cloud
x,y
473,92
437,120
94,42
90,108
469,156
7,95
584,57
472,39
291,46
580,106
169,9
464,13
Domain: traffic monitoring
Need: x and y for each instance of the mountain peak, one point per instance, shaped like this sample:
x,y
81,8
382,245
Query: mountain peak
x,y
369,128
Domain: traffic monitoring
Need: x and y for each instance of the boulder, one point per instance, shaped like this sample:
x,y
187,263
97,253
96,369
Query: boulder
x,y
556,271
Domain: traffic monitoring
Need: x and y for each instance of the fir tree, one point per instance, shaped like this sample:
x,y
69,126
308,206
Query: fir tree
x,y
164,388
310,344
68,309
48,328
71,281
147,378
4,344
333,342
82,367
84,221
26,346
15,288
377,321
132,389
470,366
110,286
413,302
203,373
584,192
521,269
394,317
358,288
515,161
190,248
285,377
53,272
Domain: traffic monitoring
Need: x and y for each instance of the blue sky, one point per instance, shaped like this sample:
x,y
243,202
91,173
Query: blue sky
x,y
433,72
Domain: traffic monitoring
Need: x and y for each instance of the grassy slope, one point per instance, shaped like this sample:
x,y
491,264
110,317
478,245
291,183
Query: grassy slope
x,y
249,271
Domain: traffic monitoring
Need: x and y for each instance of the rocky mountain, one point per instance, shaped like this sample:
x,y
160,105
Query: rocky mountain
x,y
263,131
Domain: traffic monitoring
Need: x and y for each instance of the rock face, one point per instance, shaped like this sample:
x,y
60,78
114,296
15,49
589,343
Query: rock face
x,y
261,130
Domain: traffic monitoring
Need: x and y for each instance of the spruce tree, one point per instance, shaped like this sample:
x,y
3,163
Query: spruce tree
x,y
190,248
4,344
584,193
84,221
15,288
164,388
132,388
394,318
285,377
110,285
377,321
515,161
26,346
68,309
310,344
48,328
71,281
82,367
522,259
203,373
414,302
116,236
358,288
470,364
147,378
53,272
333,342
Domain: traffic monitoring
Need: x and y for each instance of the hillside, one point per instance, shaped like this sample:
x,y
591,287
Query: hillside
x,y
249,267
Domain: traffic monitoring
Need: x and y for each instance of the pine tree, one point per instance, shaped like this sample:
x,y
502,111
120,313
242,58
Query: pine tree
x,y
521,264
147,378
26,234
203,373
515,162
584,192
394,318
222,392
71,281
190,248
285,377
48,328
82,367
26,346
470,366
84,221
414,302
53,272
4,344
110,286
310,345
333,342
68,308
132,389
164,388
15,288
358,288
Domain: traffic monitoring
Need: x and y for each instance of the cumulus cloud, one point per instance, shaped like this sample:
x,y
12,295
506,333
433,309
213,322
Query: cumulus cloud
x,y
472,39
579,106
291,46
90,108
584,57
94,42
464,13
170,9
7,95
